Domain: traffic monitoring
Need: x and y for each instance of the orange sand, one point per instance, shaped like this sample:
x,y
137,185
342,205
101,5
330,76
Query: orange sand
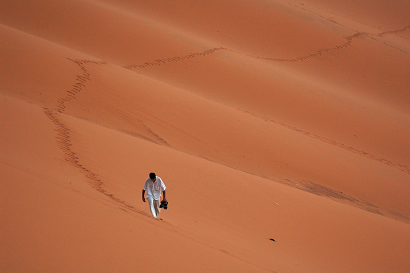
x,y
281,120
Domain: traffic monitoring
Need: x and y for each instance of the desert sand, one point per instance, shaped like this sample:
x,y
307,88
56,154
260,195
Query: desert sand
x,y
280,128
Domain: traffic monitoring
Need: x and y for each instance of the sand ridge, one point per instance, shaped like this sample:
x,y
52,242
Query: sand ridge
x,y
280,129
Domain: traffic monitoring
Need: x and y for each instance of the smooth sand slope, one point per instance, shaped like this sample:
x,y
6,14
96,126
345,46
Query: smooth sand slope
x,y
275,120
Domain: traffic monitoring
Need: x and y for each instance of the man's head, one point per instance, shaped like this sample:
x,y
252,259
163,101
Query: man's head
x,y
153,177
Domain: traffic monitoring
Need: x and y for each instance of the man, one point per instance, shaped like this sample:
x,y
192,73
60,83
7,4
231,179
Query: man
x,y
153,186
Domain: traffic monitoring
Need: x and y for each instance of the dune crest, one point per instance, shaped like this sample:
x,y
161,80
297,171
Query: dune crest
x,y
280,128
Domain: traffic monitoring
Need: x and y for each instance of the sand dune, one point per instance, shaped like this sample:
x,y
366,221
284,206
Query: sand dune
x,y
267,120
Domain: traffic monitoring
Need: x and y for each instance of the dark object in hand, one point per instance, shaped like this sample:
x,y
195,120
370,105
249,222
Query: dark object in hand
x,y
163,205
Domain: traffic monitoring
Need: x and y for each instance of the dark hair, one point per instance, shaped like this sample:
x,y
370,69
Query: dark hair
x,y
152,176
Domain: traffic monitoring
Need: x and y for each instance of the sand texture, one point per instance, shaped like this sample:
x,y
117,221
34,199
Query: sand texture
x,y
280,128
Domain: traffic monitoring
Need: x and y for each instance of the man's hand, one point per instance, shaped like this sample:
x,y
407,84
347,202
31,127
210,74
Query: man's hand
x,y
143,199
143,194
164,199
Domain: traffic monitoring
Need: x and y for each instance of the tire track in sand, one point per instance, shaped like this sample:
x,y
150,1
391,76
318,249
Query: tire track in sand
x,y
65,136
